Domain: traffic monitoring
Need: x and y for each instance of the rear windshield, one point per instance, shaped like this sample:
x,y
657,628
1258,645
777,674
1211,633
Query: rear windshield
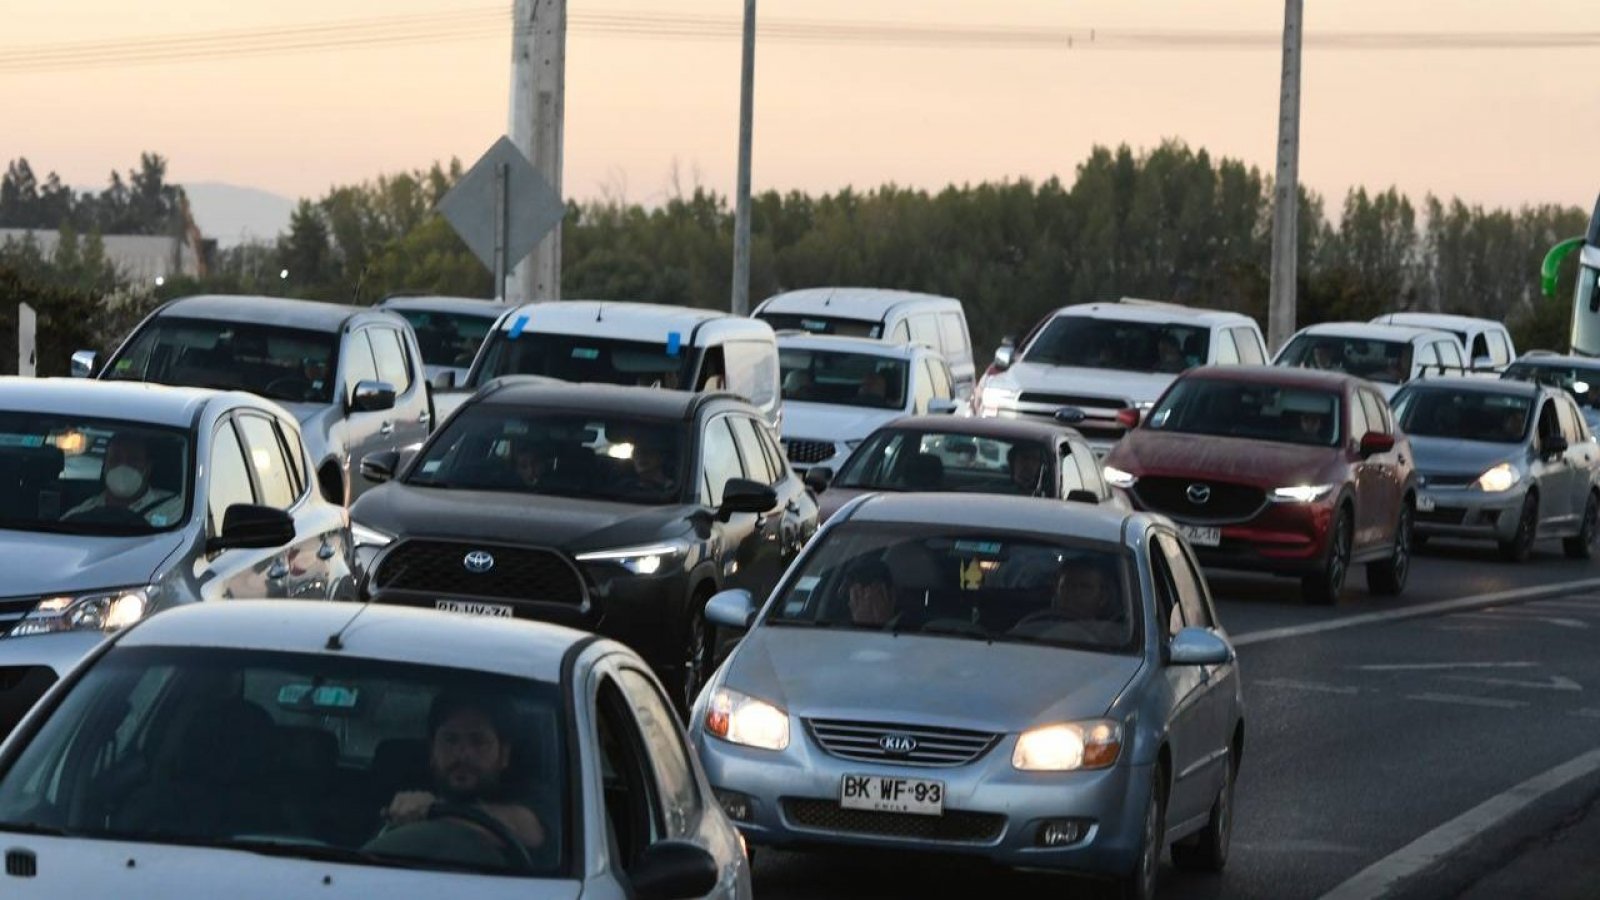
x,y
1095,343
824,325
288,364
582,358
1262,412
1464,415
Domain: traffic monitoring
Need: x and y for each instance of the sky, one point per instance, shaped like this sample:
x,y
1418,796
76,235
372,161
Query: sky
x,y
1495,126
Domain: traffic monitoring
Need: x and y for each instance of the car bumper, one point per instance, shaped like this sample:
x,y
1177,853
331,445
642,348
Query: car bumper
x,y
991,811
1469,513
1282,539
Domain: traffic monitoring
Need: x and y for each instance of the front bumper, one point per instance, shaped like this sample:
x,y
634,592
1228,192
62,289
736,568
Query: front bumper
x,y
993,812
1466,512
1282,539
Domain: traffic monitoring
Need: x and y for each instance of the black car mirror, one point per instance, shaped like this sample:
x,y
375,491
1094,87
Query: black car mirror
x,y
246,525
380,467
372,396
1554,445
741,495
818,478
673,870
1082,496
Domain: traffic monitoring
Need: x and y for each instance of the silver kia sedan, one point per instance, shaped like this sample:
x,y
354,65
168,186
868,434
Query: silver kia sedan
x,y
1044,685
1507,461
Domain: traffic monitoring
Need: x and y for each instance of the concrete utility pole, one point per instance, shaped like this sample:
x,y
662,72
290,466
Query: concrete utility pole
x,y
538,110
741,215
1286,208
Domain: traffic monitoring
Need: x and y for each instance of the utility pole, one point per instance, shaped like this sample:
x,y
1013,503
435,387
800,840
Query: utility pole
x,y
741,215
538,110
1286,208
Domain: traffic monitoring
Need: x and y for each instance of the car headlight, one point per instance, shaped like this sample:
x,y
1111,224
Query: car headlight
x,y
1118,478
99,611
1503,477
367,536
639,560
1301,493
741,719
991,399
1069,746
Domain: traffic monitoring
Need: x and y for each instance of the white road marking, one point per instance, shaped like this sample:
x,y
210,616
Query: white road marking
x,y
1383,876
1564,622
1430,667
1420,611
1464,700
1291,684
1556,682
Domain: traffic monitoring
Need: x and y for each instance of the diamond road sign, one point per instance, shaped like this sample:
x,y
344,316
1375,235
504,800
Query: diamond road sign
x,y
532,207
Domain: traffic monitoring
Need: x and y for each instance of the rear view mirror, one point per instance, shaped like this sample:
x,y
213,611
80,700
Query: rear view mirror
x,y
731,609
941,406
741,495
444,381
372,396
246,525
1006,355
818,478
1554,445
673,870
380,467
83,363
1375,442
1082,496
1198,647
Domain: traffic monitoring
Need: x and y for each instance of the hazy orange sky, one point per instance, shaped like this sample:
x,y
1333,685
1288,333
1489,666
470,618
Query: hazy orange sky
x,y
1494,126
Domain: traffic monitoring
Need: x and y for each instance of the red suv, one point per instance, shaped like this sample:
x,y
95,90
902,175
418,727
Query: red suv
x,y
1289,471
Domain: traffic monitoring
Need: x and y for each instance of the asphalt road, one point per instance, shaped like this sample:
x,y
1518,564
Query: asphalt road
x,y
1360,740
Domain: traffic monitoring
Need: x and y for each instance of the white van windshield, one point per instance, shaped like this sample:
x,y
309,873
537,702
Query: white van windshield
x,y
582,358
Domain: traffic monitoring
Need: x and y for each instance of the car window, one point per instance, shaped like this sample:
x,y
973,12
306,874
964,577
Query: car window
x,y
844,378
266,460
924,330
278,363
390,355
1072,476
1191,590
669,758
359,363
1378,417
1250,410
938,377
775,458
1227,350
1499,348
1089,342
1090,470
1168,608
1549,422
755,459
230,477
633,799
1386,361
448,339
752,371
1359,425
901,333
720,460
922,390
294,452
1464,414
1450,355
1427,356
1571,429
1251,352
953,337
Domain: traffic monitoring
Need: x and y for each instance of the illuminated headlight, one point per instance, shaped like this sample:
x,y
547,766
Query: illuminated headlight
x,y
1503,477
639,560
100,611
1301,493
991,399
1118,478
1070,746
366,536
740,719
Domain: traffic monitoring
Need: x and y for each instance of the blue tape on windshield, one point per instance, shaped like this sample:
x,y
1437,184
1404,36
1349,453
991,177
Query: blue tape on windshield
x,y
674,343
517,326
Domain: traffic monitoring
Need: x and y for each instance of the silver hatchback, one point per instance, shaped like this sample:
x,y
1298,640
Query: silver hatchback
x,y
1040,684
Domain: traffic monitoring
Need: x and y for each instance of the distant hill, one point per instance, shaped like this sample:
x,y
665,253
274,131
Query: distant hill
x,y
235,215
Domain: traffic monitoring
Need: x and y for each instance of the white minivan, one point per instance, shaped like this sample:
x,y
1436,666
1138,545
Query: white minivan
x,y
899,317
1487,342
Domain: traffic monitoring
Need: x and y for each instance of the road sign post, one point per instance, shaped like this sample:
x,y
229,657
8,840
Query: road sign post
x,y
502,208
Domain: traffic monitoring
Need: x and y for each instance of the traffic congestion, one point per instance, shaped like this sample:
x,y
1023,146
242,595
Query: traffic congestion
x,y
637,595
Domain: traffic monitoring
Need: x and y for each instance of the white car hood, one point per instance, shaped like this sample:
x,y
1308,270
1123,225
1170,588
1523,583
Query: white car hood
x,y
826,422
1134,387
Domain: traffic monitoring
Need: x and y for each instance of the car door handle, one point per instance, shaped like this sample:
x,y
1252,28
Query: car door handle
x,y
425,417
386,428
279,570
326,551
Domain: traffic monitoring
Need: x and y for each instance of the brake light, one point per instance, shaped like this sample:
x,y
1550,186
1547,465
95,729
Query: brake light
x,y
1128,418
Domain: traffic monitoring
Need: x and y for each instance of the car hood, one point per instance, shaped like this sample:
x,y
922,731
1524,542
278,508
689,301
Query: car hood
x,y
827,422
1135,387
1448,456
567,523
834,499
835,673
1146,451
40,563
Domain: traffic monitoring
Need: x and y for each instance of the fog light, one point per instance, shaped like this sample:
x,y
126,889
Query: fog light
x,y
1062,832
738,806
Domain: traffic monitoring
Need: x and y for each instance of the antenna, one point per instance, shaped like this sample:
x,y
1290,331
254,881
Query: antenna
x,y
599,311
336,640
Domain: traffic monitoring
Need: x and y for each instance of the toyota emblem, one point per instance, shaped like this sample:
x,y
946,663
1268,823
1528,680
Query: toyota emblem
x,y
898,744
478,561
1199,494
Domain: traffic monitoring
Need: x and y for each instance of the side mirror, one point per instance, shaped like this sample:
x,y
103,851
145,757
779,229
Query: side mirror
x,y
1129,418
741,495
1554,445
1198,647
1375,442
83,363
731,609
444,381
380,467
1005,356
1082,496
372,396
673,870
942,406
818,478
248,526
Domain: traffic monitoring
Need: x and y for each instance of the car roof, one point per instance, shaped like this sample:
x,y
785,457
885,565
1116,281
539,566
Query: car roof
x,y
1372,332
471,306
1132,309
1284,376
799,340
514,647
1483,385
1437,320
622,321
1551,359
848,302
612,399
312,315
1001,513
1002,429
144,402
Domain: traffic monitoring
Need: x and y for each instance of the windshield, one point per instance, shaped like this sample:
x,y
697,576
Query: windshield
x,y
71,475
843,379
823,325
495,447
287,364
1262,412
581,358
948,581
1464,415
912,460
1113,344
298,755
448,339
1582,382
1385,361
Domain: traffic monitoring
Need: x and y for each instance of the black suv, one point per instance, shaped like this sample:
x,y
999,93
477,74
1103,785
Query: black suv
x,y
616,509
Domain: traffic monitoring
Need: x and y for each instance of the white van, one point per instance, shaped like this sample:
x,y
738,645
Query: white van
x,y
1488,344
900,317
645,344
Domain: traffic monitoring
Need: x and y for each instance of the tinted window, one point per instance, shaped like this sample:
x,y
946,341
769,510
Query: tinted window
x,y
842,378
680,796
752,371
1582,382
1191,590
1246,409
1112,344
823,325
266,460
1385,361
907,459
953,338
56,475
279,363
721,460
1227,351
391,357
1480,346
230,478
586,358
359,364
755,459
1549,422
448,339
1251,353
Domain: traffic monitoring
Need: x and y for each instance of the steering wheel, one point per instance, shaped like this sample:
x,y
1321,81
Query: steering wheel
x,y
518,853
1054,617
110,515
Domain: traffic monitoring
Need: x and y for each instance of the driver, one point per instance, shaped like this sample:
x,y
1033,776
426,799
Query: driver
x,y
1169,356
650,475
871,593
1311,425
125,474
469,753
1322,357
1027,468
1084,592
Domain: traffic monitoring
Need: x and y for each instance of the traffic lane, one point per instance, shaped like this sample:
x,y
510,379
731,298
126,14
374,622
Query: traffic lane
x,y
1444,570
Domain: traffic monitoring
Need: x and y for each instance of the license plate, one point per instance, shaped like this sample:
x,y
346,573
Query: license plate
x,y
879,793
1425,503
1200,536
473,609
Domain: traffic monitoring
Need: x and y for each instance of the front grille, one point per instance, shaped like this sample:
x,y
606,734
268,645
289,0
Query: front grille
x,y
1442,515
806,453
1449,480
933,746
1073,400
518,573
12,609
1225,502
955,826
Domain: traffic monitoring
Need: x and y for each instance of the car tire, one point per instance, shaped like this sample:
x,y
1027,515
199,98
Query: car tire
x,y
694,664
1325,587
1141,883
1581,545
1207,850
1387,577
1520,547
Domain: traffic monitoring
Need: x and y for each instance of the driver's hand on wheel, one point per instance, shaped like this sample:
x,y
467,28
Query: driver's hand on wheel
x,y
409,806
